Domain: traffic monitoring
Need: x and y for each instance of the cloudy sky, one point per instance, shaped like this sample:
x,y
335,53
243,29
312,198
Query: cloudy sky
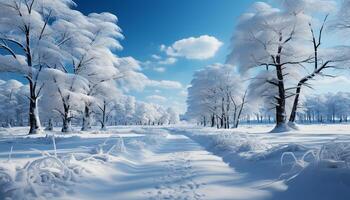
x,y
173,38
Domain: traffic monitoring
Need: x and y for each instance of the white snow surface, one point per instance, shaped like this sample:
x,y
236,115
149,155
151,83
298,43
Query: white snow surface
x,y
177,162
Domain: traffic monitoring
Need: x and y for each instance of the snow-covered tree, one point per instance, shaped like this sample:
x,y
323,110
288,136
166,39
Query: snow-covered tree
x,y
106,98
12,102
93,57
277,39
329,107
33,34
64,94
173,116
216,94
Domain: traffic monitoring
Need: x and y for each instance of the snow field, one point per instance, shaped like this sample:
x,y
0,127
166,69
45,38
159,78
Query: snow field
x,y
177,163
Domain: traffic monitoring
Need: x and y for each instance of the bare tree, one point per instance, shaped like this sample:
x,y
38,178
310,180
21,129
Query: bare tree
x,y
319,66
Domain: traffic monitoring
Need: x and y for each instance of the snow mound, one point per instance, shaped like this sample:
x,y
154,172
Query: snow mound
x,y
151,139
238,142
51,175
281,128
41,178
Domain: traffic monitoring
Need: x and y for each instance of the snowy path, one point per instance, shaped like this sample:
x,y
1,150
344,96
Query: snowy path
x,y
179,168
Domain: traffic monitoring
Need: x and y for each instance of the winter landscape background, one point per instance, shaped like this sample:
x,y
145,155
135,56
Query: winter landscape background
x,y
174,99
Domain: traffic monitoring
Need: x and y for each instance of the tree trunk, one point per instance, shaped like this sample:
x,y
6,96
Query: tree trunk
x,y
86,119
217,122
49,125
34,121
66,125
281,100
227,122
103,121
295,104
239,113
213,120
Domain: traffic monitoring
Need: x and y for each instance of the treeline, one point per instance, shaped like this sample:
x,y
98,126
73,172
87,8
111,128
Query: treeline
x,y
124,110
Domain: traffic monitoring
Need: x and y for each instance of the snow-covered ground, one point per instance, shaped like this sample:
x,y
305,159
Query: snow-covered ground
x,y
178,162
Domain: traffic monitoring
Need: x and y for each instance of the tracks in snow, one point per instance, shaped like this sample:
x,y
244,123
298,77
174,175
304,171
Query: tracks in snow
x,y
176,169
192,173
178,183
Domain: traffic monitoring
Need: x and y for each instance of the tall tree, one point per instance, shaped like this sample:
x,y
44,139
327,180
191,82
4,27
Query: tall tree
x,y
272,38
32,33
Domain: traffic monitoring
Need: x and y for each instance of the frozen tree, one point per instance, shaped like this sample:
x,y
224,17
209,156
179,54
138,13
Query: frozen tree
x,y
276,39
129,109
125,110
106,100
329,107
324,58
152,114
65,94
12,102
93,57
216,94
35,35
173,116
32,35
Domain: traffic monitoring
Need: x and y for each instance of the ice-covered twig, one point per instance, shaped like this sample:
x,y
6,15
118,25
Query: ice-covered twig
x,y
54,145
291,154
9,159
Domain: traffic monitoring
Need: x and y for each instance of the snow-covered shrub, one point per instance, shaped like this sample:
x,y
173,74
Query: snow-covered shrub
x,y
238,142
279,150
44,177
332,155
52,175
117,148
336,151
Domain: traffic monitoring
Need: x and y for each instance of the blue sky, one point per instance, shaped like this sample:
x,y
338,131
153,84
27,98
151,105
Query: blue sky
x,y
147,24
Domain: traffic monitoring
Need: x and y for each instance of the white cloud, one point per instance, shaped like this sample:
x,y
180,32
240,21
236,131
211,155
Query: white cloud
x,y
156,98
138,81
331,81
156,57
168,61
165,84
183,93
200,48
162,47
134,79
327,84
159,69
